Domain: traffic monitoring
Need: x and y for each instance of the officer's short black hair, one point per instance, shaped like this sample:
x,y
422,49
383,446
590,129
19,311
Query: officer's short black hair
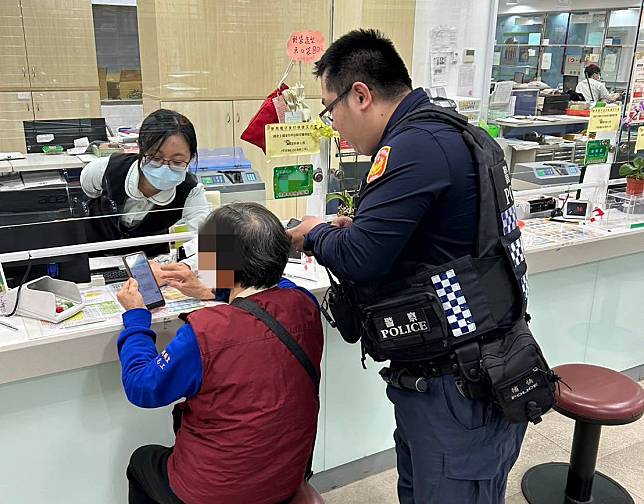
x,y
162,124
249,240
591,70
366,56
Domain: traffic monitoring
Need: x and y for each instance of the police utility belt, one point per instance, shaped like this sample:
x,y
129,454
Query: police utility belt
x,y
413,328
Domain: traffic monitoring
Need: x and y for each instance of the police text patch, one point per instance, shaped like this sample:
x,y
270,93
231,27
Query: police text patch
x,y
379,164
401,323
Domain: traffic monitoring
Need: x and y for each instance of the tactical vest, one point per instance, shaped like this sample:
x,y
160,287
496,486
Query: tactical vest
x,y
433,309
112,200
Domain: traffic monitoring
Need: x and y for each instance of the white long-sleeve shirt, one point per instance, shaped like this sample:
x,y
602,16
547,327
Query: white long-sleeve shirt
x,y
137,205
598,88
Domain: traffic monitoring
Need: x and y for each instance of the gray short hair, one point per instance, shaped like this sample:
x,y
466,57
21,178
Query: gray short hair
x,y
249,240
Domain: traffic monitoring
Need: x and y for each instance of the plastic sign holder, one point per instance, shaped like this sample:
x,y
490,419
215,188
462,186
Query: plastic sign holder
x,y
38,299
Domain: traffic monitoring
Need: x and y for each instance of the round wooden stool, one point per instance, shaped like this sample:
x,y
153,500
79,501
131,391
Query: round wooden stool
x,y
592,396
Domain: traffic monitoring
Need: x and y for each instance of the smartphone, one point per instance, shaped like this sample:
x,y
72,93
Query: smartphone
x,y
293,255
137,267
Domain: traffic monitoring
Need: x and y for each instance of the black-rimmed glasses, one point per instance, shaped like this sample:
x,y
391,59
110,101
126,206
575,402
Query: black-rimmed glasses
x,y
325,115
157,162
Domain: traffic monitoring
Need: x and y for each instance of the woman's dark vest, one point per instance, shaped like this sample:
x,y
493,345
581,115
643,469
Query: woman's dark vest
x,y
111,203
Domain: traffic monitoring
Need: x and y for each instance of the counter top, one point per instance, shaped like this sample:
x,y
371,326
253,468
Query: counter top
x,y
553,120
548,245
86,339
39,162
38,348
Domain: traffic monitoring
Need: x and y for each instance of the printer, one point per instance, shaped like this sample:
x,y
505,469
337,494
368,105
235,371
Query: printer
x,y
229,172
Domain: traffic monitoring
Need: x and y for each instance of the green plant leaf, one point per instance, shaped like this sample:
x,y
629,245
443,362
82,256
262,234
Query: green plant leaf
x,y
337,196
626,170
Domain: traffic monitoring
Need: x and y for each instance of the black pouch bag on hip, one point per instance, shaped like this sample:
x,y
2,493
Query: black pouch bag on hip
x,y
340,301
521,382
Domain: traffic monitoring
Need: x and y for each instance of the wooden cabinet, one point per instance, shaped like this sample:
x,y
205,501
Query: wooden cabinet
x,y
150,105
224,49
66,104
213,121
13,55
59,36
395,18
14,109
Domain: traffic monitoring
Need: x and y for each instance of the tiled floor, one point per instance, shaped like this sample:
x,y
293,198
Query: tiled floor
x,y
621,456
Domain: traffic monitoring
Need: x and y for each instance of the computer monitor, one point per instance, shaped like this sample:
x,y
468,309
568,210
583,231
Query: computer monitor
x,y
73,267
526,101
570,82
62,132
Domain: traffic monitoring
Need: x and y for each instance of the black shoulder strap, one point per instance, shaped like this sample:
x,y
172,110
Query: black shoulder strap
x,y
284,336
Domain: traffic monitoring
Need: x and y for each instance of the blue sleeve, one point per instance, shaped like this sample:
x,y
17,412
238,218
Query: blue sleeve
x,y
152,379
390,209
285,283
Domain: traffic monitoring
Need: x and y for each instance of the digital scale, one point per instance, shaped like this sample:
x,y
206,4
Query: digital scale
x,y
531,175
229,172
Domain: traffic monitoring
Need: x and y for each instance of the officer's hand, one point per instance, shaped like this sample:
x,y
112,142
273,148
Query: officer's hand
x,y
129,295
185,281
298,232
342,221
159,269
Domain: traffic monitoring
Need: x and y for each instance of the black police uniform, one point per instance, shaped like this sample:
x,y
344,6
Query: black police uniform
x,y
424,208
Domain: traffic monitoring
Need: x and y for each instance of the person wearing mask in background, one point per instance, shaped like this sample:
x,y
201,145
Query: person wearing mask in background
x,y
150,191
248,425
592,88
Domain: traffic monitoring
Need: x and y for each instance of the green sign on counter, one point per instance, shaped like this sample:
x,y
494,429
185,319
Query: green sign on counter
x,y
292,181
596,152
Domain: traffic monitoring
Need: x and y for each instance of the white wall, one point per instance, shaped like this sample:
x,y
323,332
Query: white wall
x,y
475,23
563,5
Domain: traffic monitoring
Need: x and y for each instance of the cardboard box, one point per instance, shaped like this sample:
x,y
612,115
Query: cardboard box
x,y
113,85
131,84
102,82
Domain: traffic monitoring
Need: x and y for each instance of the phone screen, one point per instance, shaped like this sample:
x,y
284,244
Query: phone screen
x,y
139,269
293,255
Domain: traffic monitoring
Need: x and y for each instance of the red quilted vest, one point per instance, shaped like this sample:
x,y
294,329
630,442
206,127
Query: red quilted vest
x,y
247,435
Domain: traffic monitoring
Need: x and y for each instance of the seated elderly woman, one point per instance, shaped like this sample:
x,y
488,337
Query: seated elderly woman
x,y
248,423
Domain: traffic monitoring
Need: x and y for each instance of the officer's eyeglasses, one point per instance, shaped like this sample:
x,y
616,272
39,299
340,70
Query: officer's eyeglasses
x,y
326,114
157,162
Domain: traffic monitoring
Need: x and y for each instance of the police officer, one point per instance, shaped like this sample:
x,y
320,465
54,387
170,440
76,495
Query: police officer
x,y
419,204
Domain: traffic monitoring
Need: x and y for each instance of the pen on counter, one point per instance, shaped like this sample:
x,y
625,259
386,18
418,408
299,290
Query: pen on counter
x,y
6,324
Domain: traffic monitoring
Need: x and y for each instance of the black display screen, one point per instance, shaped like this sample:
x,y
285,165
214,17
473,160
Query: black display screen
x,y
576,208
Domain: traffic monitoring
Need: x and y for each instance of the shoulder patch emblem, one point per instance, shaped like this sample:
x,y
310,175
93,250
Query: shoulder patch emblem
x,y
379,164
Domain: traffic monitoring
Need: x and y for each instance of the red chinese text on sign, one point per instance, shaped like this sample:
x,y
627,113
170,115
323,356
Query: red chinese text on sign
x,y
305,46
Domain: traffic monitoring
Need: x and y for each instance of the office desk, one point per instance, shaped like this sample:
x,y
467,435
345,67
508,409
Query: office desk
x,y
583,300
561,124
39,162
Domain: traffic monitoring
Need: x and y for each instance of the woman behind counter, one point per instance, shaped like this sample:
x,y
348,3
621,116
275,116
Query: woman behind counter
x,y
133,185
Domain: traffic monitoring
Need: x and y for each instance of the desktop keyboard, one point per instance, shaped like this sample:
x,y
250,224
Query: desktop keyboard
x,y
116,275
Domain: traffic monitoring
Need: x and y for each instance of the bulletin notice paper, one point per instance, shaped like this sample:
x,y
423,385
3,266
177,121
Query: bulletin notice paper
x,y
639,144
604,119
291,140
